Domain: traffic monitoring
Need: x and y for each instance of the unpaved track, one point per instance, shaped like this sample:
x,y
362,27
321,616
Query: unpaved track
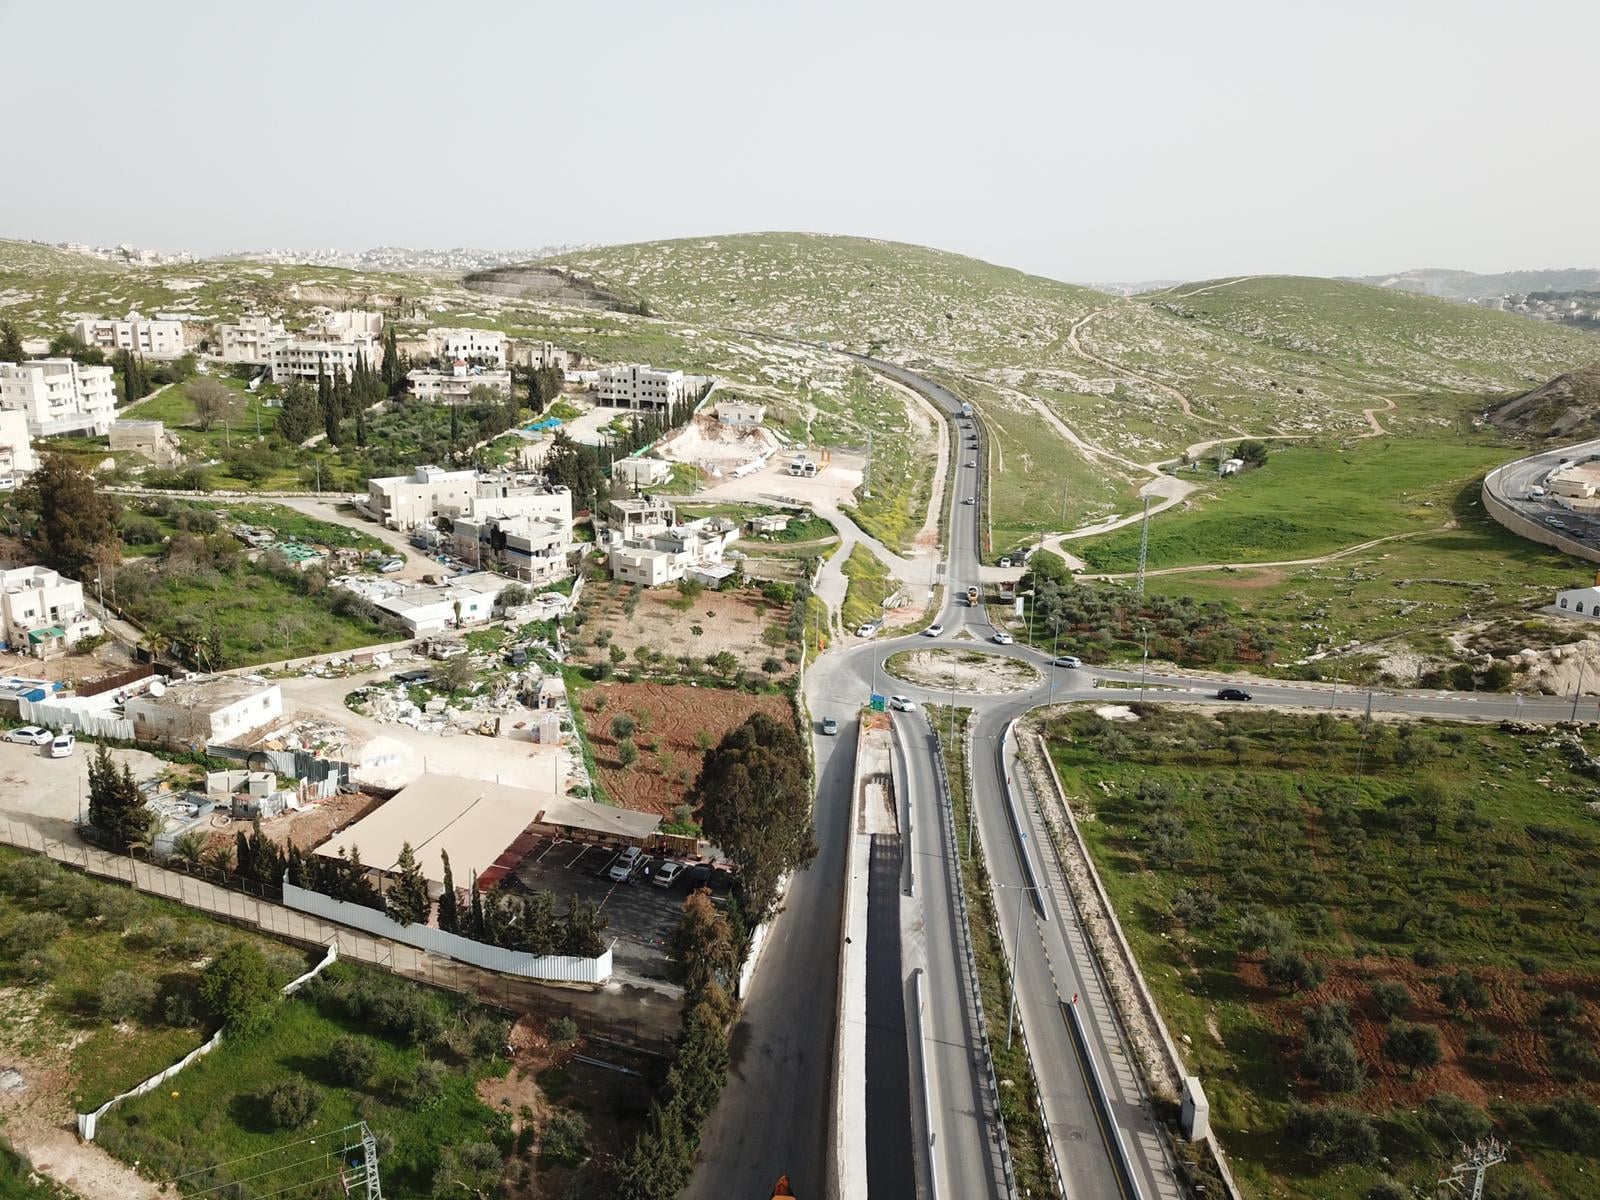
x,y
1283,562
1165,389
1371,414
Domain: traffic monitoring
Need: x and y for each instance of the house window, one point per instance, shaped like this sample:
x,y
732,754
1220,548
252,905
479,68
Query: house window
x,y
1563,602
1580,605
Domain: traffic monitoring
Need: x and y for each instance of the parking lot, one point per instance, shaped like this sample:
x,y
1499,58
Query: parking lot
x,y
641,915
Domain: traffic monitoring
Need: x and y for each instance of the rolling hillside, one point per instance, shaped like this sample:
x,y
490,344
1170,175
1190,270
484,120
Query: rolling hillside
x,y
1567,408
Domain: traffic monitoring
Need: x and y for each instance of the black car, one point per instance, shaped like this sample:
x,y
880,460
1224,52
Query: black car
x,y
1233,694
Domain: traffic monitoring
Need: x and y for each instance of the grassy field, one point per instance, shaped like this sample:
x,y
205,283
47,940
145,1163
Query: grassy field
x,y
1258,881
65,937
869,587
216,1112
1304,502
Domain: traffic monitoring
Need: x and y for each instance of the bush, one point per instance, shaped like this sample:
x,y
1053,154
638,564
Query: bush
x,y
1452,1119
290,1104
1574,1117
470,1170
425,1085
127,996
623,726
1463,988
237,990
352,1060
1482,1043
1291,969
1412,1046
1564,1007
1334,1135
1391,997
1388,1189
563,1136
561,1030
33,933
1335,1063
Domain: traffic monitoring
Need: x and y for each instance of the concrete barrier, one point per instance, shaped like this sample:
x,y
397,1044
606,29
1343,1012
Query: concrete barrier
x,y
1498,507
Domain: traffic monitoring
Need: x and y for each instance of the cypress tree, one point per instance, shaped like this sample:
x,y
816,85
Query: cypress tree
x,y
477,908
408,901
11,343
449,916
361,427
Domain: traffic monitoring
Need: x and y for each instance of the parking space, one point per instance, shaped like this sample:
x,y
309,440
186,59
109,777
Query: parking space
x,y
642,916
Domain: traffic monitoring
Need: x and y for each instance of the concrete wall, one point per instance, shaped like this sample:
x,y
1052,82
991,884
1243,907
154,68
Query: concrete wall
x,y
1496,505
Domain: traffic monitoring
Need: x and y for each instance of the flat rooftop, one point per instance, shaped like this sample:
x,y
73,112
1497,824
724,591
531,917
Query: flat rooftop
x,y
216,692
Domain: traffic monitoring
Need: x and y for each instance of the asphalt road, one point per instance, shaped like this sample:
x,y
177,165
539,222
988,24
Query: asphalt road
x,y
1513,481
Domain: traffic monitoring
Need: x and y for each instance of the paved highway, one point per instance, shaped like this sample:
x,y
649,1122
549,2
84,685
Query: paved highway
x,y
1512,484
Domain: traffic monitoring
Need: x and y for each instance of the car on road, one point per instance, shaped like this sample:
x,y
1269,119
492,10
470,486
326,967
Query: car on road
x,y
829,726
973,463
934,630
902,704
866,630
969,500
1068,660
625,864
1002,639
1005,562
1231,693
393,565
667,873
31,735
62,746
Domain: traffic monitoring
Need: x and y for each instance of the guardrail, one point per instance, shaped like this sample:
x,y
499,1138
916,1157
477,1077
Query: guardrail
x,y
1110,1131
969,960
1018,833
1499,508
917,1003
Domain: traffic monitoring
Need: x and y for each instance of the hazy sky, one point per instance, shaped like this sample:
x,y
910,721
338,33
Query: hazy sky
x,y
1113,140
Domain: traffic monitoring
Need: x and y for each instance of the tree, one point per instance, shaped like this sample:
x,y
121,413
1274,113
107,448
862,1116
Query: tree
x,y
70,345
290,1104
1391,997
11,343
563,1137
472,1169
1334,1063
299,413
1463,988
627,752
1454,1120
352,1060
236,989
623,725
754,795
476,896
408,900
449,910
1412,1046
211,401
1284,967
1333,1134
72,520
1252,452
703,950
116,806
127,996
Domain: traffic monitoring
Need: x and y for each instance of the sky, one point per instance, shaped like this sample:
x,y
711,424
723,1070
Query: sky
x,y
1089,141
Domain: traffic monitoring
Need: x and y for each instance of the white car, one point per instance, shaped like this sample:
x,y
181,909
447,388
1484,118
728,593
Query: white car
x,y
393,565
866,630
934,630
62,746
1003,639
902,704
1068,660
624,865
31,735
969,500
973,463
667,873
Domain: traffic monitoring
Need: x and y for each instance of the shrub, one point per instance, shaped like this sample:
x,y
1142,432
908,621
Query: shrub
x,y
1463,988
1564,1007
1391,997
1291,969
127,996
1197,909
1335,1063
1260,929
1482,1043
623,726
425,1084
1452,1119
561,1030
236,989
352,1060
1334,1135
1412,1046
1574,1117
1328,1020
563,1136
33,933
1425,956
1388,1189
290,1104
469,1170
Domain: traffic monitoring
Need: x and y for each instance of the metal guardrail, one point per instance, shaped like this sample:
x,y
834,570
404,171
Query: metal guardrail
x,y
1018,832
1109,1130
974,989
927,1090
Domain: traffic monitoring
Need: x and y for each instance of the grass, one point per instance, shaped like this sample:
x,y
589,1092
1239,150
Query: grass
x,y
1304,502
294,526
1018,1109
869,586
1461,848
53,1010
212,1112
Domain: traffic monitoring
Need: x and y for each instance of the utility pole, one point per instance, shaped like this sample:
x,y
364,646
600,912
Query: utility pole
x,y
1577,691
1361,750
1467,1176
1144,549
1016,947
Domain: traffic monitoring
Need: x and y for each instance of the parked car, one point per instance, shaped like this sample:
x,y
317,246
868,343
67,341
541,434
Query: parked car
x,y
973,463
697,876
1005,562
934,630
902,704
1232,694
829,726
1003,639
62,746
625,864
31,735
667,873
1068,660
393,565
866,630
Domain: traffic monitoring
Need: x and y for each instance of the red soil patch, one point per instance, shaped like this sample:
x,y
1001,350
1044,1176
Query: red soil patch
x,y
1520,1071
670,718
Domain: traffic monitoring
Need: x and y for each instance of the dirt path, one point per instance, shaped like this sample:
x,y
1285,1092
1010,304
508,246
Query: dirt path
x,y
1371,414
1213,287
42,1127
1076,347
933,422
1285,562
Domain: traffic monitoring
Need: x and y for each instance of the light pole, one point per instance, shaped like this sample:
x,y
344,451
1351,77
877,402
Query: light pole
x,y
1016,945
1577,691
1144,663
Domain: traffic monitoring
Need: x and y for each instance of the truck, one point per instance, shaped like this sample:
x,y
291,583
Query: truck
x,y
972,597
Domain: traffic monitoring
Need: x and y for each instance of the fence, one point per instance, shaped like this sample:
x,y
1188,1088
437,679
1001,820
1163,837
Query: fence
x,y
551,968
65,715
88,1122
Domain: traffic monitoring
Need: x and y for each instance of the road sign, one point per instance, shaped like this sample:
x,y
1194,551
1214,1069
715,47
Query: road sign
x,y
878,703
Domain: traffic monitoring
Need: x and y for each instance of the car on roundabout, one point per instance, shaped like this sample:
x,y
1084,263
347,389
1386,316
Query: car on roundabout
x,y
1002,638
902,704
1067,660
934,630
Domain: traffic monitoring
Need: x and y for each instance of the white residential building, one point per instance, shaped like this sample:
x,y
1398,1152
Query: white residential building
x,y
531,548
741,414
641,472
58,395
43,611
455,385
250,340
16,449
136,334
465,600
505,495
647,546
330,354
542,354
405,501
484,347
348,320
195,712
638,387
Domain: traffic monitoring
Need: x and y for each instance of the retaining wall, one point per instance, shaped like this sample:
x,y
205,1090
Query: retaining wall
x,y
1503,512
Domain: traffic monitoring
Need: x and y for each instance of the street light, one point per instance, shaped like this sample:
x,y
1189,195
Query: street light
x,y
1016,943
1144,664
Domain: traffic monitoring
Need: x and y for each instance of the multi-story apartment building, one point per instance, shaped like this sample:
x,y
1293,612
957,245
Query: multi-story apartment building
x,y
58,395
310,355
136,334
405,501
483,347
528,547
16,450
638,387
43,611
455,386
250,340
348,320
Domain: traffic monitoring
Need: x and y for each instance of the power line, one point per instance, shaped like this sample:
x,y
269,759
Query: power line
x,y
275,1170
270,1150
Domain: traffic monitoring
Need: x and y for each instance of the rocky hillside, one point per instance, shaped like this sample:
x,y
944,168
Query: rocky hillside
x,y
1567,408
